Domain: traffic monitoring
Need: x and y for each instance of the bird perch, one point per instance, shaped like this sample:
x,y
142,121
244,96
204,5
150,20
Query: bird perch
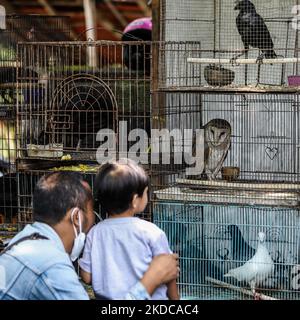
x,y
242,290
242,61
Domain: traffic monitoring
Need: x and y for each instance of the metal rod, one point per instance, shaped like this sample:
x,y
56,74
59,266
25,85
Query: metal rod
x,y
91,23
246,70
258,75
297,41
242,61
283,69
215,28
242,290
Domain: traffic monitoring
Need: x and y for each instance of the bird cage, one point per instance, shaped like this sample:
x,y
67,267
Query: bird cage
x,y
212,241
223,159
26,28
27,181
14,28
252,44
225,150
77,90
255,136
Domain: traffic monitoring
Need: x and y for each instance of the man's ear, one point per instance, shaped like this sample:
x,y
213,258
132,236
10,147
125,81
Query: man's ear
x,y
75,215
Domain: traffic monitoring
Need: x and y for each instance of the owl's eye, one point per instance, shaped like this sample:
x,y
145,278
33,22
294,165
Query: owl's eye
x,y
222,134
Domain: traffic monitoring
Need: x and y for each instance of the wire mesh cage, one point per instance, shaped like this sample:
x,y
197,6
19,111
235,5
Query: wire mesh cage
x,y
77,89
213,241
240,44
17,28
8,182
254,133
23,28
8,205
27,181
227,168
225,173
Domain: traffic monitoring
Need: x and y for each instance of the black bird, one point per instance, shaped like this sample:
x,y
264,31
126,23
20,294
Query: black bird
x,y
240,249
195,266
253,31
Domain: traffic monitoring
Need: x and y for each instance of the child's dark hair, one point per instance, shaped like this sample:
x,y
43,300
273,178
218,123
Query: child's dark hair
x,y
117,182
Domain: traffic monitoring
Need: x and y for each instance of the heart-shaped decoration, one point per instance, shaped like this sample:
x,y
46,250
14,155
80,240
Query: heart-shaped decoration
x,y
271,152
223,253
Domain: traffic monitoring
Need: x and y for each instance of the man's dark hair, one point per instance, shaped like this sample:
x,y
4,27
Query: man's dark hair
x,y
116,184
58,192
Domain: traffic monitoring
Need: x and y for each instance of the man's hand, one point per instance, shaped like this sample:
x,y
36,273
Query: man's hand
x,y
163,269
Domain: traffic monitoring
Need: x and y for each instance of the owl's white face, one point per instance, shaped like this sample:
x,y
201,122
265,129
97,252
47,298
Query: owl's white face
x,y
216,136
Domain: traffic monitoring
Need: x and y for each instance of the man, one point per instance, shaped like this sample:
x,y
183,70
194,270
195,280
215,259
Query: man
x,y
37,264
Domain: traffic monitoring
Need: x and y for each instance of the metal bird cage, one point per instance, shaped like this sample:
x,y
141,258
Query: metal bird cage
x,y
212,240
26,28
244,44
27,181
77,89
249,179
225,157
17,28
262,132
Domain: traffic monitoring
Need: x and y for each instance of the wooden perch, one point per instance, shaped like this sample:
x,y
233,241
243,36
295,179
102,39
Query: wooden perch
x,y
235,288
242,61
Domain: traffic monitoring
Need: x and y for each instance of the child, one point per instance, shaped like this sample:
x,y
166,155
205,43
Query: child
x,y
120,249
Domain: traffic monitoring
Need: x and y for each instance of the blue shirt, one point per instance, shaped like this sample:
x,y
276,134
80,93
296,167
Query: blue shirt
x,y
42,270
117,253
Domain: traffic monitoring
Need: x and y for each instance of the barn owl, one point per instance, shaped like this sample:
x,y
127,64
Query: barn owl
x,y
217,134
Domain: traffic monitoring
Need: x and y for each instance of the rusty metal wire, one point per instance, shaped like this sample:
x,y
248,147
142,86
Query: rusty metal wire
x,y
74,89
18,28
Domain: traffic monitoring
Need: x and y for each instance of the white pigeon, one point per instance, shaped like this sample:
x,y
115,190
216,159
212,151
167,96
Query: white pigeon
x,y
257,269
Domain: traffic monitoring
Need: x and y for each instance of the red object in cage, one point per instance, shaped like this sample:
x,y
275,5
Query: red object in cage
x,y
294,81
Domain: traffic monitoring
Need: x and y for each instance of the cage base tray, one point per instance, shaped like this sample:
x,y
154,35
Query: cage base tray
x,y
45,164
238,185
234,89
233,197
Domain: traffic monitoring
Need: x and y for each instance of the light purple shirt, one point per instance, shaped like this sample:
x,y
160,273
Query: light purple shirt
x,y
118,252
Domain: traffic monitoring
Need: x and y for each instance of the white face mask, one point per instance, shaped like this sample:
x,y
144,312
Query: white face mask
x,y
79,237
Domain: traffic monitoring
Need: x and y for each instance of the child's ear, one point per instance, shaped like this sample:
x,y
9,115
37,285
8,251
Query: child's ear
x,y
134,202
